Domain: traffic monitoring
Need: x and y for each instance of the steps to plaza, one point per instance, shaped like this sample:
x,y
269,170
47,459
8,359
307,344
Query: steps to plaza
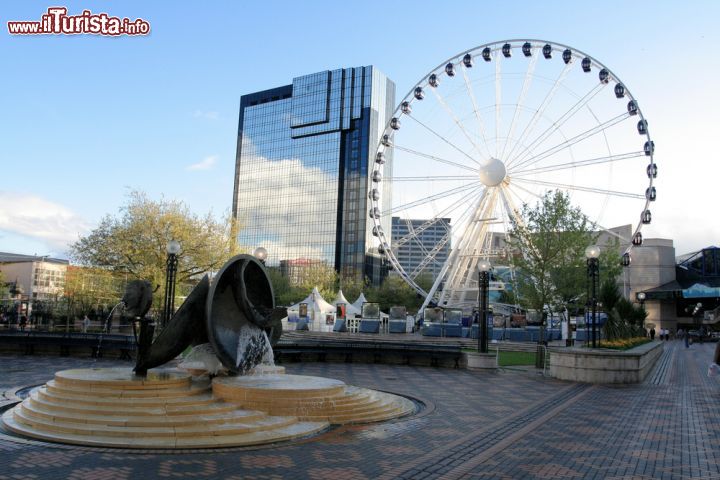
x,y
170,409
314,399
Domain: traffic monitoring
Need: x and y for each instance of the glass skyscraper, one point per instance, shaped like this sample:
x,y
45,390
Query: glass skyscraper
x,y
301,171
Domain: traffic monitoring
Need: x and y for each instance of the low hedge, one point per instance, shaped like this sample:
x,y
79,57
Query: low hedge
x,y
623,343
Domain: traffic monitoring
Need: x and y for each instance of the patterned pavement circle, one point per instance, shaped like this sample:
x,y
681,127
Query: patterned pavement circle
x,y
506,424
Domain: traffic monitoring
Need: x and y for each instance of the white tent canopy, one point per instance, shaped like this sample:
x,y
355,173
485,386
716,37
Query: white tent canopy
x,y
350,309
316,304
359,302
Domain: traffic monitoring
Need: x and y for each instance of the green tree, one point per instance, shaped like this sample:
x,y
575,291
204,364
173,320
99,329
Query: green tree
x,y
286,294
4,291
609,260
134,241
290,290
395,291
552,237
91,289
352,286
624,319
320,275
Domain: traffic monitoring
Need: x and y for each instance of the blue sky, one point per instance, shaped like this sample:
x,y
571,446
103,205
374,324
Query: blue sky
x,y
86,119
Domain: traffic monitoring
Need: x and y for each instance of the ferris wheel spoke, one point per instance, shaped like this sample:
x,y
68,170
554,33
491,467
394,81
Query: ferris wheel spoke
x,y
473,247
431,256
475,201
519,222
507,212
428,255
576,163
530,127
464,153
457,121
443,213
424,200
498,102
599,228
435,158
434,178
476,110
600,128
521,101
513,185
557,124
581,188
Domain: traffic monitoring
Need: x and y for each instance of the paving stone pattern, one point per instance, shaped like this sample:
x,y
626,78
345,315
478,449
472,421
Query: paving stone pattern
x,y
502,425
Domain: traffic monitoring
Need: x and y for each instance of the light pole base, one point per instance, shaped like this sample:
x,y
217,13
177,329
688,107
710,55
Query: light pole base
x,y
481,361
540,356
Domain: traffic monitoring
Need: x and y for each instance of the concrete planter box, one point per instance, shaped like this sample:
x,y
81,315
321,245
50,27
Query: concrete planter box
x,y
603,365
480,361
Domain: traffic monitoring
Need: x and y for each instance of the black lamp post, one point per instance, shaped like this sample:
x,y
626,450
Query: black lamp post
x,y
173,248
484,282
641,298
593,270
261,254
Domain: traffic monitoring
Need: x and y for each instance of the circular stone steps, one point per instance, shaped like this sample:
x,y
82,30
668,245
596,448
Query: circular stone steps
x,y
131,429
222,413
73,398
61,405
296,430
311,398
122,379
169,409
165,410
191,388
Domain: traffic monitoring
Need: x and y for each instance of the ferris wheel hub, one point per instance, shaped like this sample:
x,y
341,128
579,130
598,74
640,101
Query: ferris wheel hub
x,y
492,173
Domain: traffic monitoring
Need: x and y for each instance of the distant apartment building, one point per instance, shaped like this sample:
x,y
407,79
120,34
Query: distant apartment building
x,y
38,278
31,278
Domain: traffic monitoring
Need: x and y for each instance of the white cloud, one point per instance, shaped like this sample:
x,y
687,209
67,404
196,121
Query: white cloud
x,y
289,205
206,115
205,164
37,218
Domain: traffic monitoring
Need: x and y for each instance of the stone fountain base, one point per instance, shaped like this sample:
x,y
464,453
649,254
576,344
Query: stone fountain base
x,y
112,407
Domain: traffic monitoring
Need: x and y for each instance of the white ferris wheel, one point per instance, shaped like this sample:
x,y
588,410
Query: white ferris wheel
x,y
492,129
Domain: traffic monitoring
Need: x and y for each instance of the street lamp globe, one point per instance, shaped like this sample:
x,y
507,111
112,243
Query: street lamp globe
x,y
641,297
260,253
484,265
173,247
593,251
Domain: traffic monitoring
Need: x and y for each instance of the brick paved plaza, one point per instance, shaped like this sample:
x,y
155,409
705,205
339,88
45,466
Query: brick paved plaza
x,y
510,424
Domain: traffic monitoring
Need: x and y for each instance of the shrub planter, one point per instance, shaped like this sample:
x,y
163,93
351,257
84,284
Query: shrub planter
x,y
480,361
596,365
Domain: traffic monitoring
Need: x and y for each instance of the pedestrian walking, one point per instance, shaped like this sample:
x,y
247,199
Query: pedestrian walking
x,y
85,324
652,333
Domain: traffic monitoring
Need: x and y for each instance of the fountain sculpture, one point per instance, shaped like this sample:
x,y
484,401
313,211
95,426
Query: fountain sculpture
x,y
231,395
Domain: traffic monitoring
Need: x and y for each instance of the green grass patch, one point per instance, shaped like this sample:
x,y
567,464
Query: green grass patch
x,y
508,359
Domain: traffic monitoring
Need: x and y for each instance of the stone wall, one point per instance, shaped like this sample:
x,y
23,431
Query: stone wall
x,y
604,366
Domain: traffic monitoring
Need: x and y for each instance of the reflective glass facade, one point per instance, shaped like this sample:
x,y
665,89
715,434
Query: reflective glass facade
x,y
301,173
